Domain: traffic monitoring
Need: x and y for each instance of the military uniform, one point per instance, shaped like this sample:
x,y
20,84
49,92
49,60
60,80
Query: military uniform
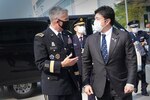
x,y
141,37
78,43
79,48
49,51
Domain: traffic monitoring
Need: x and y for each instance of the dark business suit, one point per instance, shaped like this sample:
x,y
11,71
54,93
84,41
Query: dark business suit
x,y
120,68
49,51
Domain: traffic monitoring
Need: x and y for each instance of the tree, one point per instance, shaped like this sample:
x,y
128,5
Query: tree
x,y
120,14
135,11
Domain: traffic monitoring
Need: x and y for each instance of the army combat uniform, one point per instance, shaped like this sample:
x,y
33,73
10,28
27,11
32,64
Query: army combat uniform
x,y
49,51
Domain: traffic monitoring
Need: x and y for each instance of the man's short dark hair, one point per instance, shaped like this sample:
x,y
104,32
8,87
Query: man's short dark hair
x,y
107,12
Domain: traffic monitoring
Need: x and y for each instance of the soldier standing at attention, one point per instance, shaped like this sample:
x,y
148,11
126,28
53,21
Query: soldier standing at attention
x,y
140,40
53,50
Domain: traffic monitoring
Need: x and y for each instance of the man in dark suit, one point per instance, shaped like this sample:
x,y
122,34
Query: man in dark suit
x,y
140,38
78,42
53,50
110,56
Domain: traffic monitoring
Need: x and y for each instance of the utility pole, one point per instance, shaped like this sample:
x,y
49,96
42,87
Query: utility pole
x,y
126,10
42,13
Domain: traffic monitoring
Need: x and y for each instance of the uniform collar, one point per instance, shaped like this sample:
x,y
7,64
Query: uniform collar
x,y
79,36
55,31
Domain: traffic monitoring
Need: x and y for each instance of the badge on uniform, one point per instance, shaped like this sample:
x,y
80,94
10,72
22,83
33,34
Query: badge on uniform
x,y
57,56
65,49
75,44
51,57
82,50
53,46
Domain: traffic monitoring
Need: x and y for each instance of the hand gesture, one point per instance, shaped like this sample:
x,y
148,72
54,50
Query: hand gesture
x,y
68,61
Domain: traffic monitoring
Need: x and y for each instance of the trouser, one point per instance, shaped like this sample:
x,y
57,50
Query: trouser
x,y
141,75
110,94
54,97
91,97
79,81
76,95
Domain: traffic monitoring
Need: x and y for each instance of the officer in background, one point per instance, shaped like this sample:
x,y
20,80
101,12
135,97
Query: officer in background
x,y
148,28
78,42
53,50
140,41
148,32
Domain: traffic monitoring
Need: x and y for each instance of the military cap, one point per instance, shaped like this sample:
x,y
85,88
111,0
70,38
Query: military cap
x,y
79,21
133,23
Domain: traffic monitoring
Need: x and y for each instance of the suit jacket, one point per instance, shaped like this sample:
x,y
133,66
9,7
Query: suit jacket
x,y
49,51
78,51
120,68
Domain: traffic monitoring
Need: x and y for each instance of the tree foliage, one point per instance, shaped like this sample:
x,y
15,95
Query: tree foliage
x,y
135,11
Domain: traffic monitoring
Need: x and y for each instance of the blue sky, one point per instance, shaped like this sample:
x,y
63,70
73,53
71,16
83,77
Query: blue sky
x,y
15,9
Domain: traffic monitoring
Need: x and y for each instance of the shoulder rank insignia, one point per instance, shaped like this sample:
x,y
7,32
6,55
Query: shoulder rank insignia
x,y
39,34
69,32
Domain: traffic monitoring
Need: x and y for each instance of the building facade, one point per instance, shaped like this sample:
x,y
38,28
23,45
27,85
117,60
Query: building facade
x,y
10,9
80,7
75,7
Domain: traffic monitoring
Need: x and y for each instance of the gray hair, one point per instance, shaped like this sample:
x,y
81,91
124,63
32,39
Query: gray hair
x,y
56,12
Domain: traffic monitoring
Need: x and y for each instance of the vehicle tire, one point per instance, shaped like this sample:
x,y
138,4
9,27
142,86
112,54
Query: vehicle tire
x,y
20,91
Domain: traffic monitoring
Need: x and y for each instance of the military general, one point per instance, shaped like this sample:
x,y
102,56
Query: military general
x,y
53,50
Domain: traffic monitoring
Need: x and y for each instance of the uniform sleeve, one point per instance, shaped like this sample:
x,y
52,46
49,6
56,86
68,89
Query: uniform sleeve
x,y
146,35
42,60
131,60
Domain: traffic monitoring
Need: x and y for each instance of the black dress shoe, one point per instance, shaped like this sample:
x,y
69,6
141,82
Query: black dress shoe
x,y
135,90
145,94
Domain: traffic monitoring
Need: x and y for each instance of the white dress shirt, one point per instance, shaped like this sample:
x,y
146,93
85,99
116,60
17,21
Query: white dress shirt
x,y
54,30
108,38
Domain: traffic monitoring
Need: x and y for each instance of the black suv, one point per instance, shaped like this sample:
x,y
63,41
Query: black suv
x,y
17,68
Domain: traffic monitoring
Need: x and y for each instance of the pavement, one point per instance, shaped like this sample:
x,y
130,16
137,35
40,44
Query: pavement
x,y
38,96
136,96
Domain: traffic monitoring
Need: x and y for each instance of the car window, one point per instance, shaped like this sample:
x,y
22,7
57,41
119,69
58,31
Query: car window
x,y
20,31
